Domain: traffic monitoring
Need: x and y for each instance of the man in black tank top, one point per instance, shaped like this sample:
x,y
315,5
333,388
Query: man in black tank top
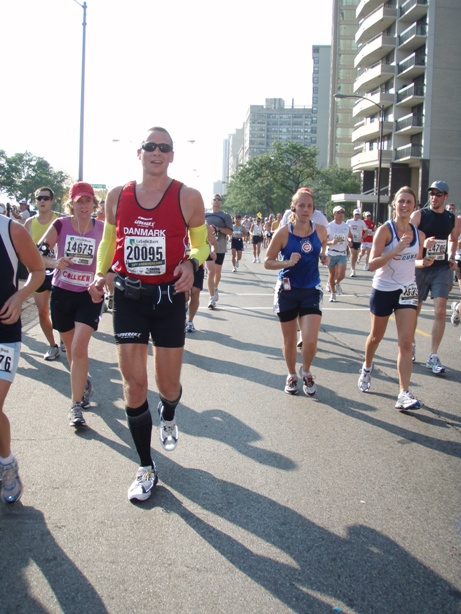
x,y
439,226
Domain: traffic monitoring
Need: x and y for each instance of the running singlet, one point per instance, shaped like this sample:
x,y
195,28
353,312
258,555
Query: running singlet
x,y
340,232
438,225
399,272
150,242
82,251
368,237
9,333
37,230
305,273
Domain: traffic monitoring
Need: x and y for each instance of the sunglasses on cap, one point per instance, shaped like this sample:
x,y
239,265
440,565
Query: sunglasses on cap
x,y
151,146
39,198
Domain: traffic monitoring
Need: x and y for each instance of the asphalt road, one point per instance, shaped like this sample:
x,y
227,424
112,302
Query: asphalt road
x,y
270,503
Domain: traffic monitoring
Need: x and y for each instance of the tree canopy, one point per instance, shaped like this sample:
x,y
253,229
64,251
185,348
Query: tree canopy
x,y
266,183
22,173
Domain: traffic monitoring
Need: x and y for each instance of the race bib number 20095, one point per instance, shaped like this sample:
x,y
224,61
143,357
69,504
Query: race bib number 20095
x,y
145,255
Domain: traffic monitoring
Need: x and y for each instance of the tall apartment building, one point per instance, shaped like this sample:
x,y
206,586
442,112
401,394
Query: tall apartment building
x,y
342,77
274,122
408,64
321,58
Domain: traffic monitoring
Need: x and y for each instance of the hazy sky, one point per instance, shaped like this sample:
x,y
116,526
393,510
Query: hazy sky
x,y
191,67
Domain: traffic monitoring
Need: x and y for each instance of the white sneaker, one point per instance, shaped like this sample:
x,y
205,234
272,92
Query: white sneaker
x,y
433,363
406,400
455,313
190,328
328,287
254,260
237,264
258,260
212,303
352,273
216,295
167,431
366,267
291,385
309,387
145,480
364,382
333,298
234,269
52,353
339,290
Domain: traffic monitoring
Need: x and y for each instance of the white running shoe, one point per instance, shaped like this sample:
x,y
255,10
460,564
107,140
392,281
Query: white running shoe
x,y
254,260
216,295
212,303
364,382
87,394
328,287
455,313
413,352
291,386
433,363
144,482
234,269
52,353
366,267
352,273
406,400
76,416
333,298
309,387
190,328
300,341
258,261
237,264
167,431
339,290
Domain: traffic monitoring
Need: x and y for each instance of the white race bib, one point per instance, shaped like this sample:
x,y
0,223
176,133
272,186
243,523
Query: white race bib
x,y
438,250
145,255
6,358
81,250
409,295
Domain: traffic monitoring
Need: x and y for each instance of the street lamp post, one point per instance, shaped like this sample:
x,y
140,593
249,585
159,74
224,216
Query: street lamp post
x,y
380,218
82,94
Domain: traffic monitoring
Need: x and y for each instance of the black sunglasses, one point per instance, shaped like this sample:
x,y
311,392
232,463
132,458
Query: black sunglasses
x,y
151,146
42,198
438,194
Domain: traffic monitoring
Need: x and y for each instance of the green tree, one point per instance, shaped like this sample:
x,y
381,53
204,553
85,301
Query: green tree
x,y
22,173
267,182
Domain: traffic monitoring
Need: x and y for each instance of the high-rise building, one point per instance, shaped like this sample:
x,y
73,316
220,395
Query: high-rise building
x,y
408,65
342,77
321,59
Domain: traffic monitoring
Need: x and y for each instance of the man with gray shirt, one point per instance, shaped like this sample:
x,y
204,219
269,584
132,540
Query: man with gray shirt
x,y
222,225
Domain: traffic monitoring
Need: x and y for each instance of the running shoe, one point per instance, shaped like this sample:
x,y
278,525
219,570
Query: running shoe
x,y
254,260
52,353
300,341
167,431
352,273
309,387
234,269
291,385
258,260
63,347
433,363
364,382
87,394
339,290
216,295
144,482
366,267
76,416
413,352
110,302
237,264
333,297
11,483
328,287
455,313
190,328
406,400
212,303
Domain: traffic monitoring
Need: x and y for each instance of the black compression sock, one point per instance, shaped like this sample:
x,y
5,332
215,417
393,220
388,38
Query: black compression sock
x,y
140,425
169,407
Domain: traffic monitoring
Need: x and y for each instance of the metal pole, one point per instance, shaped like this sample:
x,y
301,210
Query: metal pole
x,y
82,95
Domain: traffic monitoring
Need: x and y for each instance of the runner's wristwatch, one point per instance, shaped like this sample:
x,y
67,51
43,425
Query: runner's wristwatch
x,y
195,264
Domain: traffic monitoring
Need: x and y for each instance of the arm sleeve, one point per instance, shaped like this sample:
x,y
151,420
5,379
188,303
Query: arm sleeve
x,y
106,249
200,248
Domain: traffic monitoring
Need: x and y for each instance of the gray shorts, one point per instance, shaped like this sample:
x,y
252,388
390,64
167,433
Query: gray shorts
x,y
337,259
436,280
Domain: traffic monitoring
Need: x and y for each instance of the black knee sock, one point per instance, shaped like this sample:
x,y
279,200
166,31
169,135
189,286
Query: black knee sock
x,y
140,424
169,407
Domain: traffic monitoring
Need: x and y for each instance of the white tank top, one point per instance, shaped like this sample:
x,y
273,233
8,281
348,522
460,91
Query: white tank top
x,y
400,271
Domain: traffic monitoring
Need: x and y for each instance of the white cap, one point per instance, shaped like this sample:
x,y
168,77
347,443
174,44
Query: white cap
x,y
357,211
